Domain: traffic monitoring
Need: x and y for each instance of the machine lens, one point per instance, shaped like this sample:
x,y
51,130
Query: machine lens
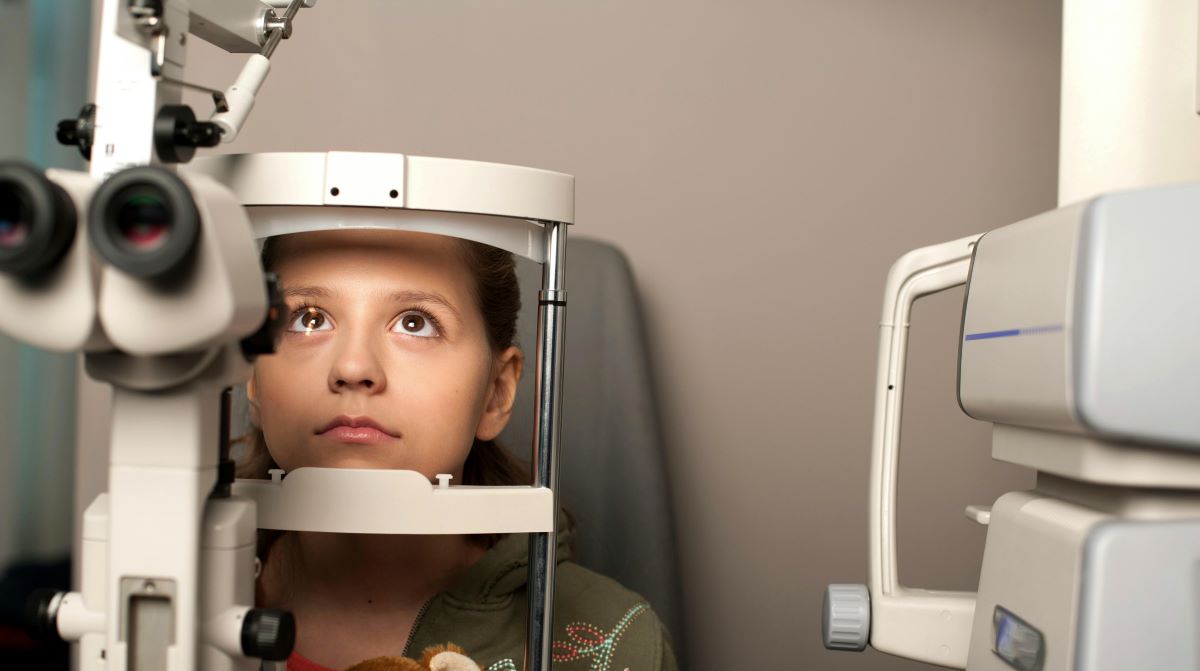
x,y
15,216
143,220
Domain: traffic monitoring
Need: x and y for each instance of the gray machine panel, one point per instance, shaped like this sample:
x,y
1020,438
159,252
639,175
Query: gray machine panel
x,y
1085,320
1140,597
1137,316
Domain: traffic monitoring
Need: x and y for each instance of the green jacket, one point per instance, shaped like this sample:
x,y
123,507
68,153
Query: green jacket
x,y
598,624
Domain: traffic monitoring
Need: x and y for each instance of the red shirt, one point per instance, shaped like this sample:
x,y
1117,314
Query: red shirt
x,y
298,663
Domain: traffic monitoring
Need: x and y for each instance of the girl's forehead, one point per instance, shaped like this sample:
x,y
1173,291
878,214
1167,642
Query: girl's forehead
x,y
364,241
355,257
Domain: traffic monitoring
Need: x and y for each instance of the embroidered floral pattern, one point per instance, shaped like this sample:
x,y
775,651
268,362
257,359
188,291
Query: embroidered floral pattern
x,y
589,642
585,641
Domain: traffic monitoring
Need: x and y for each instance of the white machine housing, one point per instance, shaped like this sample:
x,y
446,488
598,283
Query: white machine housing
x,y
1079,320
210,306
59,312
1077,344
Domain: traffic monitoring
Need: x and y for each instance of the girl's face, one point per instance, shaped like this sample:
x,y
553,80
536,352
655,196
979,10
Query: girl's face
x,y
385,362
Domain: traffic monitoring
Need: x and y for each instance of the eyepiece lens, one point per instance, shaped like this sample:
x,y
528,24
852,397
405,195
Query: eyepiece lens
x,y
143,220
15,216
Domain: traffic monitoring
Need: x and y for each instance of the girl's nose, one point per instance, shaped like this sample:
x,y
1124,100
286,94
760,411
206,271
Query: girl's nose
x,y
357,368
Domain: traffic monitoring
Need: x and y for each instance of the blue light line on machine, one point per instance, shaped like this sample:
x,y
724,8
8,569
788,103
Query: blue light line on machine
x,y
1008,333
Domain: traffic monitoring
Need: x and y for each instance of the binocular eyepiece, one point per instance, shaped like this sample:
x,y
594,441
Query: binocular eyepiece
x,y
148,262
144,221
37,221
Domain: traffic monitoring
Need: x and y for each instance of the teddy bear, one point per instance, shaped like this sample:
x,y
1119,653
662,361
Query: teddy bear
x,y
447,657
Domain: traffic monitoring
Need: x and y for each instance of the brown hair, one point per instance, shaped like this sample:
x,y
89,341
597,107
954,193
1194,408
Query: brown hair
x,y
498,297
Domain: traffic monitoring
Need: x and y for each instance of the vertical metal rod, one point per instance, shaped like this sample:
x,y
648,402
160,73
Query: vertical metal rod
x,y
552,308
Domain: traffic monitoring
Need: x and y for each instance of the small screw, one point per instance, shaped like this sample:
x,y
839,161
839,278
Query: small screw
x,y
394,193
334,191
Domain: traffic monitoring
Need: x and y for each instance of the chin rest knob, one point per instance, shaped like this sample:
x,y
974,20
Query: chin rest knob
x,y
268,634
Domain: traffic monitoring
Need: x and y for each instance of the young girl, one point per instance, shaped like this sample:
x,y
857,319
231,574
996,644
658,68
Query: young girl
x,y
399,354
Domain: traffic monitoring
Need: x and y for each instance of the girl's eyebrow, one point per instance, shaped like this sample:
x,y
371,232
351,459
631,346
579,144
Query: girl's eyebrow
x,y
307,292
412,296
405,296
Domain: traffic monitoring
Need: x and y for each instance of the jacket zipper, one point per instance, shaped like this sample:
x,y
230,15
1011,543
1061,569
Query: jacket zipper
x,y
416,622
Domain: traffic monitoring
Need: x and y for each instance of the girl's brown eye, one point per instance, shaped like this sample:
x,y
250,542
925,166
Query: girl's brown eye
x,y
413,323
416,324
313,320
308,320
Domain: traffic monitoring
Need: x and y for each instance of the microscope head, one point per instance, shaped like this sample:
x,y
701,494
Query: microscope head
x,y
48,276
183,270
1084,321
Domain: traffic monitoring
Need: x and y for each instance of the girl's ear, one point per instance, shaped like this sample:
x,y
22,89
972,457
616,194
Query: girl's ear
x,y
502,394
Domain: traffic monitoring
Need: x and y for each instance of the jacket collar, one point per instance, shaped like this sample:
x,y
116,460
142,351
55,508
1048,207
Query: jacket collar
x,y
504,569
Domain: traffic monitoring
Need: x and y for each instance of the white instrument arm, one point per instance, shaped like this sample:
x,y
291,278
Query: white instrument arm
x,y
239,98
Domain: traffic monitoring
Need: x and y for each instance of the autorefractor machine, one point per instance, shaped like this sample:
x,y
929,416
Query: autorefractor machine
x,y
1080,342
152,272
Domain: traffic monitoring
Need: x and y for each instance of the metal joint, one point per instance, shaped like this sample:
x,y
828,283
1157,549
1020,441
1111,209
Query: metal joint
x,y
274,28
271,21
552,297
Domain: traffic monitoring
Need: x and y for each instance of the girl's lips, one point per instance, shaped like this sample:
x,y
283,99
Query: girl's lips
x,y
361,429
362,435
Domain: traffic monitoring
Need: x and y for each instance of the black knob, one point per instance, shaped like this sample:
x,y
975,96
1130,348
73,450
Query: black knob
x,y
177,134
146,8
79,131
67,132
268,634
41,615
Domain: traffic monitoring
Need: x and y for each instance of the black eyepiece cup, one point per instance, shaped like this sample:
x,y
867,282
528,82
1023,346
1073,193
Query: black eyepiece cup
x,y
37,221
145,222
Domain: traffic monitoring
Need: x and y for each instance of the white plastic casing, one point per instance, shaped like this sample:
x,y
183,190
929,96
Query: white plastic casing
x,y
222,298
1084,320
366,179
59,312
375,501
228,556
240,97
928,625
294,192
228,548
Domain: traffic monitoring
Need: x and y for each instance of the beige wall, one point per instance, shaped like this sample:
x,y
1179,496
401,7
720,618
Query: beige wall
x,y
762,163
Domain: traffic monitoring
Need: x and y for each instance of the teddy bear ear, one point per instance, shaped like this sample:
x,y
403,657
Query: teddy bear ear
x,y
387,664
432,651
452,661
